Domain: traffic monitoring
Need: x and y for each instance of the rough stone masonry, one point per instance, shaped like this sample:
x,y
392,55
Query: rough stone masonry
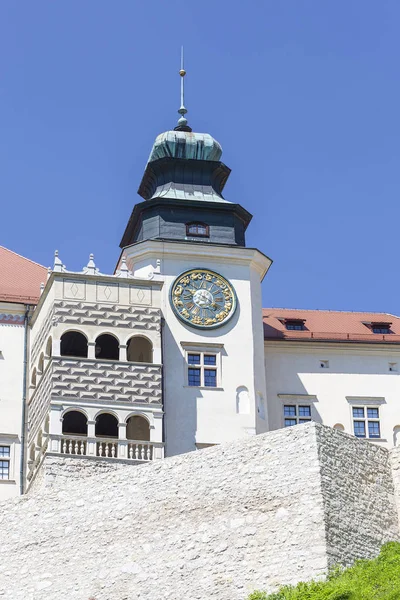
x,y
218,523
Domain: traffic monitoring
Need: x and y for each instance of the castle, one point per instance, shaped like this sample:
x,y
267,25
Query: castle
x,y
173,352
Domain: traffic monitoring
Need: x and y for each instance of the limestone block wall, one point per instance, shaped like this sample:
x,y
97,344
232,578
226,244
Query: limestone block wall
x,y
216,523
359,496
395,464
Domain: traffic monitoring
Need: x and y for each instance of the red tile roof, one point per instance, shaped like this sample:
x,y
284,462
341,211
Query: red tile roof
x,y
327,325
20,278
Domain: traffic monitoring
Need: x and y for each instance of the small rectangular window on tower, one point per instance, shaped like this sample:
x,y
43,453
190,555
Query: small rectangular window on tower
x,y
202,369
324,364
393,367
197,230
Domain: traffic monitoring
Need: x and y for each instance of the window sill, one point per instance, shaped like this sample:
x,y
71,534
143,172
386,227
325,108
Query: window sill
x,y
10,481
204,387
371,439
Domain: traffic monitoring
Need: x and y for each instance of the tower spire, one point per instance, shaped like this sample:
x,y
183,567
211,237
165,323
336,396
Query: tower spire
x,y
182,121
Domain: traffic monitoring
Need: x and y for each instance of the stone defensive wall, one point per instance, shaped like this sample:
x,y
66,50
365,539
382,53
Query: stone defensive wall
x,y
218,523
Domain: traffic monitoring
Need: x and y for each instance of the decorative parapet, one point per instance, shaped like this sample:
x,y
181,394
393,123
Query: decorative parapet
x,y
114,315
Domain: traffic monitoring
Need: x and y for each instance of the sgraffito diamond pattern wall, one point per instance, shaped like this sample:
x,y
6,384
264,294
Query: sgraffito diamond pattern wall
x,y
114,315
106,381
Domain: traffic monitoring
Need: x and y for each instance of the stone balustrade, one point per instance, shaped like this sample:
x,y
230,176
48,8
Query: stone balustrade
x,y
112,448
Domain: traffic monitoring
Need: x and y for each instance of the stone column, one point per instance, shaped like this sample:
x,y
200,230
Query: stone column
x,y
157,356
91,449
122,441
91,349
56,348
55,428
123,356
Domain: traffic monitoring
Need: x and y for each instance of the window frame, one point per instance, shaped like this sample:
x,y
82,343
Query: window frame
x,y
8,441
202,351
367,402
366,420
197,224
294,324
296,416
381,327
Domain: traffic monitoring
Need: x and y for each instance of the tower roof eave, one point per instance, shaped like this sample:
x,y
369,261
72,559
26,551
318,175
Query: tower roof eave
x,y
138,209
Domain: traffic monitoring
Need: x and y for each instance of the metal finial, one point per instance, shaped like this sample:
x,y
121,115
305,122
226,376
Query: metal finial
x,y
182,121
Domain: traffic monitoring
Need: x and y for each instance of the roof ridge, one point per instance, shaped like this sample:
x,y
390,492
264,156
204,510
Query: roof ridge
x,y
327,310
24,257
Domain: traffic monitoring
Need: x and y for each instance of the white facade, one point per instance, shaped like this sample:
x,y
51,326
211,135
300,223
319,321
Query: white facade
x,y
334,378
109,358
202,416
12,342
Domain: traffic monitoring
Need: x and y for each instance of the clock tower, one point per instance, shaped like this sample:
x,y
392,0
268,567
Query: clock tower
x,y
185,234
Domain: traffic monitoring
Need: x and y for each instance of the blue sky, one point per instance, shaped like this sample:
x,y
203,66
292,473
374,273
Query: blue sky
x,y
303,95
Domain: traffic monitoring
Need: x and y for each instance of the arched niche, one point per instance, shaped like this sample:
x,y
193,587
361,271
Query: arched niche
x,y
339,427
33,378
396,435
242,400
49,347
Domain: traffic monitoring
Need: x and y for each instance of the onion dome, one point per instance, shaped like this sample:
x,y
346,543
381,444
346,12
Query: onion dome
x,y
185,144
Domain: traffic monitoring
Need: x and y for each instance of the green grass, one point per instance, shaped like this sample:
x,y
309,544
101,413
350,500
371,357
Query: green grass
x,y
377,579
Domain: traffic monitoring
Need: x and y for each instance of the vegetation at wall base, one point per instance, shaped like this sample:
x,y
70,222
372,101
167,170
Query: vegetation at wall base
x,y
376,579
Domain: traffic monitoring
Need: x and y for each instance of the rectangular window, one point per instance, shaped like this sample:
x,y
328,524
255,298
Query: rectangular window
x,y
374,429
210,359
294,325
366,422
296,414
210,377
194,377
381,327
359,429
202,370
5,456
194,359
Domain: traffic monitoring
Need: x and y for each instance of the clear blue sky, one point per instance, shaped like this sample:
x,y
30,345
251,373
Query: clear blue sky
x,y
304,97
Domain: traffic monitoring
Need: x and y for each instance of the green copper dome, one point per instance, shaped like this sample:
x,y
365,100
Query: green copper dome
x,y
187,145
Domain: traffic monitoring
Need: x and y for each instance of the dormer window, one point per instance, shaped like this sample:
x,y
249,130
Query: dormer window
x,y
294,324
381,327
197,230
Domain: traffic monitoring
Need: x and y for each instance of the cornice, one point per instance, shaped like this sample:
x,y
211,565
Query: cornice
x,y
57,276
315,347
177,249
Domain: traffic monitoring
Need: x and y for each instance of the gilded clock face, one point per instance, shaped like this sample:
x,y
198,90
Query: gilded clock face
x,y
203,298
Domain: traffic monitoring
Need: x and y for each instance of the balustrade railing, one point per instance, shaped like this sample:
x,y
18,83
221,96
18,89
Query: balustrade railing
x,y
74,445
140,450
135,450
107,448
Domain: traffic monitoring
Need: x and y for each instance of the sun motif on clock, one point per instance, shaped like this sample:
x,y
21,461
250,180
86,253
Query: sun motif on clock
x,y
203,298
